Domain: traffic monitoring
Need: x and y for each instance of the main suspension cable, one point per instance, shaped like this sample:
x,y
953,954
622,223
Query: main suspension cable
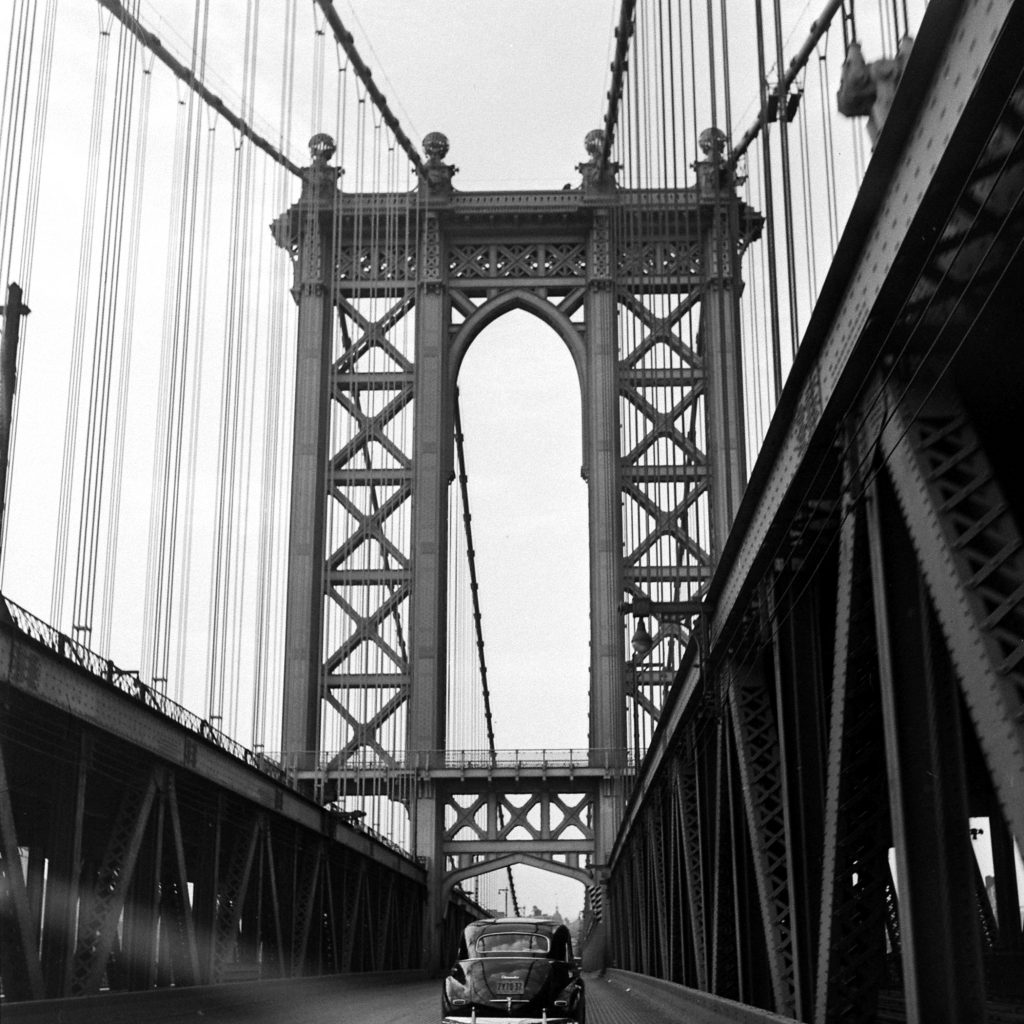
x,y
195,83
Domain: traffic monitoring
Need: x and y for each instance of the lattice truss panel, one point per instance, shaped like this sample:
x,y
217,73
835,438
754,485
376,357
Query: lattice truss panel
x,y
972,554
559,826
760,770
665,476
526,259
367,572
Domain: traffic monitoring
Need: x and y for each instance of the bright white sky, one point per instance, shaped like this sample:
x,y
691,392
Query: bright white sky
x,y
515,86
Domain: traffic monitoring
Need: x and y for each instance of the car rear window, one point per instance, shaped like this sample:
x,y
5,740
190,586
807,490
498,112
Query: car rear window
x,y
494,943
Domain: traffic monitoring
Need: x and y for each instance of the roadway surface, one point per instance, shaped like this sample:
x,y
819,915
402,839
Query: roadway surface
x,y
367,999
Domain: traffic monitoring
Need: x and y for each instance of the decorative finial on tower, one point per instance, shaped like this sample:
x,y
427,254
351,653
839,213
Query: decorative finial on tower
x,y
321,149
713,174
437,175
712,143
596,175
319,179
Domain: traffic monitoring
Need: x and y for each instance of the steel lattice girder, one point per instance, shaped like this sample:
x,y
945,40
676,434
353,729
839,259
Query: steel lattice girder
x,y
855,869
201,825
757,745
859,913
22,940
970,551
97,925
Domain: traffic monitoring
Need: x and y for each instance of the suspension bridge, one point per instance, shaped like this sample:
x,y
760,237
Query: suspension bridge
x,y
259,753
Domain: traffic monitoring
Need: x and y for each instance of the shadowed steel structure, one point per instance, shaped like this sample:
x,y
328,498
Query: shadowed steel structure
x,y
800,837
143,849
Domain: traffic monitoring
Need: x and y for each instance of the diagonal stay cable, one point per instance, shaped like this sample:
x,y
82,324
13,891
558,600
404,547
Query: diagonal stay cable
x,y
474,588
188,75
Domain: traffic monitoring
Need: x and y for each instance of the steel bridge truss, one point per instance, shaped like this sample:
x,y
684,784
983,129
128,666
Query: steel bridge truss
x,y
841,759
410,280
134,853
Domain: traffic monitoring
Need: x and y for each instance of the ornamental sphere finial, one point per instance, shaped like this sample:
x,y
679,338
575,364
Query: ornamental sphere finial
x,y
435,145
321,148
712,142
594,143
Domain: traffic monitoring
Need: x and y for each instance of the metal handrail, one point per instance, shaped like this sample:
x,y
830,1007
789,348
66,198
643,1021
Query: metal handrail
x,y
130,683
326,762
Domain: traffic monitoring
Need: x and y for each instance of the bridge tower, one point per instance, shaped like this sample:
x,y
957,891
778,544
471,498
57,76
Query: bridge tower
x,y
391,289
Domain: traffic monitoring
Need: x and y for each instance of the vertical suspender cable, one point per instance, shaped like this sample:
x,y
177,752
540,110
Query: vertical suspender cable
x,y
127,333
10,188
773,284
17,79
85,256
95,473
787,201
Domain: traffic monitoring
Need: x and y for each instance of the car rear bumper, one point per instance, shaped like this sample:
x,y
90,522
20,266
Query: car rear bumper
x,y
507,1020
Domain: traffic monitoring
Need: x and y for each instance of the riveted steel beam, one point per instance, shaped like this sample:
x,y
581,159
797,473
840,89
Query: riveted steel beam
x,y
855,872
97,928
935,866
970,552
27,976
757,746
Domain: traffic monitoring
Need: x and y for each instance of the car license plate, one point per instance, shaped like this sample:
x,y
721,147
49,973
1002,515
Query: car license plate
x,y
509,988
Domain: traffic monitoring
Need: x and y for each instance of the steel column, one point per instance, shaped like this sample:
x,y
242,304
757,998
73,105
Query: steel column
x,y
724,957
23,936
800,695
97,929
1007,892
971,554
433,427
13,311
65,845
303,657
601,440
720,333
231,893
757,747
935,866
690,814
180,928
855,871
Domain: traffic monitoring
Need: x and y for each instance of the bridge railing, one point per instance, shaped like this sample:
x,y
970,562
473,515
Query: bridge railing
x,y
129,682
409,762
520,758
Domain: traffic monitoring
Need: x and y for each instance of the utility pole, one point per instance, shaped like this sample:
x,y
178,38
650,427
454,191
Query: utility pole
x,y
13,311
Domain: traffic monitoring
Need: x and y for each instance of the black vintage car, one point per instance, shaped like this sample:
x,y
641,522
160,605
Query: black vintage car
x,y
517,968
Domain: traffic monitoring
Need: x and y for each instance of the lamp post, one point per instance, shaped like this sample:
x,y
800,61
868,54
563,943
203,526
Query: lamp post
x,y
505,891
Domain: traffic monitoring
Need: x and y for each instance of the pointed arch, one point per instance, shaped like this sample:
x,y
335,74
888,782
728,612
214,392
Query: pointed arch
x,y
529,302
506,861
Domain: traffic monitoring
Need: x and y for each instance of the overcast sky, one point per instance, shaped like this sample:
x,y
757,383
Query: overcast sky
x,y
515,86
